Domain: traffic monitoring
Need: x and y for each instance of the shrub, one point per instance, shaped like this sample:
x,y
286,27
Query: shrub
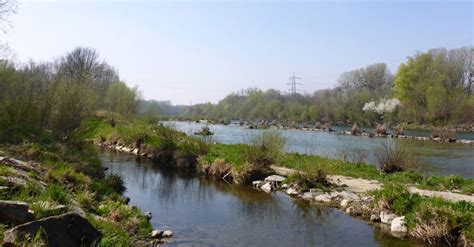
x,y
265,148
394,157
115,182
444,133
308,180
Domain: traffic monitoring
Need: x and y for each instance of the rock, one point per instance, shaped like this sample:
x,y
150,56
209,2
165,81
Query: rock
x,y
258,183
13,211
333,194
387,217
4,188
275,179
344,203
323,198
167,234
62,230
267,187
136,151
398,225
374,218
148,215
285,186
351,196
350,210
307,196
292,191
156,234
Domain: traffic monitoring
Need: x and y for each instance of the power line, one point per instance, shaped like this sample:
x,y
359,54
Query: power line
x,y
293,84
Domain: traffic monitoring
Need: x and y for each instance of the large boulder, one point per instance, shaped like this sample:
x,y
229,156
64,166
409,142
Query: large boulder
x,y
65,230
13,212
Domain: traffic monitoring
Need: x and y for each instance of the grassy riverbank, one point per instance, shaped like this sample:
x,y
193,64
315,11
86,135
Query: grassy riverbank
x,y
59,178
245,163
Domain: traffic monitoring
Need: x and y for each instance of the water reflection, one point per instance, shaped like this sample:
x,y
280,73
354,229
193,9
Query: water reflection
x,y
207,212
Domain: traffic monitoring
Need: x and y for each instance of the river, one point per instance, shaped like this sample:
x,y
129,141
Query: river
x,y
204,212
441,158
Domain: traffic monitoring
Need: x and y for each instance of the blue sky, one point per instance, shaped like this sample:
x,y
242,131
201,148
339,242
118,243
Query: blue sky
x,y
199,51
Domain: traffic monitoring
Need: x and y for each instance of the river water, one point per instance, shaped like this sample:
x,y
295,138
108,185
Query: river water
x,y
204,212
441,158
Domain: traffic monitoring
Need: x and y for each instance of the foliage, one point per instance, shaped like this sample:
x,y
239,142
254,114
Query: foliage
x,y
431,219
265,148
394,157
58,96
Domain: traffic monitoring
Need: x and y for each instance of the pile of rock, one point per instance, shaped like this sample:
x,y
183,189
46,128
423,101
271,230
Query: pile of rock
x,y
270,183
355,204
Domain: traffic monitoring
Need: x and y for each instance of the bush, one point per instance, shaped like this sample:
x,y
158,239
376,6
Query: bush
x,y
115,182
394,157
308,180
444,133
265,148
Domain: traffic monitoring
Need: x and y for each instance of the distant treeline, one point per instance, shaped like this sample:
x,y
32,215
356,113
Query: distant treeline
x,y
435,87
57,96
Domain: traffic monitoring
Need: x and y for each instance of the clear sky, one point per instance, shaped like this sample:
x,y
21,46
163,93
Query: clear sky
x,y
195,51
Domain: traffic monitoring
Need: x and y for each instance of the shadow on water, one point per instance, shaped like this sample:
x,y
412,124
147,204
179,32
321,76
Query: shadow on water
x,y
209,212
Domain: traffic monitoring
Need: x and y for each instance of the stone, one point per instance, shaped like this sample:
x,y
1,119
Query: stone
x,y
398,225
351,196
13,211
323,198
349,210
62,230
285,186
387,217
156,234
374,218
258,183
148,215
167,234
292,191
333,194
275,179
307,196
267,187
344,203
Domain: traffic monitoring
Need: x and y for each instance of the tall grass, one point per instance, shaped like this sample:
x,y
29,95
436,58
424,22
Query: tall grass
x,y
264,148
395,157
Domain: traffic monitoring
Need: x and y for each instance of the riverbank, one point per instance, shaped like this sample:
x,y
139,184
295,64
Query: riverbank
x,y
229,162
47,187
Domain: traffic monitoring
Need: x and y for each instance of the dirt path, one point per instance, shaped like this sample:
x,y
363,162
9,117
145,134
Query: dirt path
x,y
360,185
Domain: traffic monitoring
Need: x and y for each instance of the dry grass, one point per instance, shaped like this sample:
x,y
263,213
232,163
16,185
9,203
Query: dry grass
x,y
394,157
444,134
433,230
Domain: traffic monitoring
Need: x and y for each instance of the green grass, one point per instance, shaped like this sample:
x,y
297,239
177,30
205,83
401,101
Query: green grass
x,y
236,155
417,208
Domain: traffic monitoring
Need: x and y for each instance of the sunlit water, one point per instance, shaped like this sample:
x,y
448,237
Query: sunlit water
x,y
441,158
203,212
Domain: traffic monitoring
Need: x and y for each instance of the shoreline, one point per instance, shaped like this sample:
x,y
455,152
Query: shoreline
x,y
352,196
362,134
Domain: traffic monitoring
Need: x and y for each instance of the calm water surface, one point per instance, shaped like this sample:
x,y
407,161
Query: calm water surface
x,y
204,212
441,158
